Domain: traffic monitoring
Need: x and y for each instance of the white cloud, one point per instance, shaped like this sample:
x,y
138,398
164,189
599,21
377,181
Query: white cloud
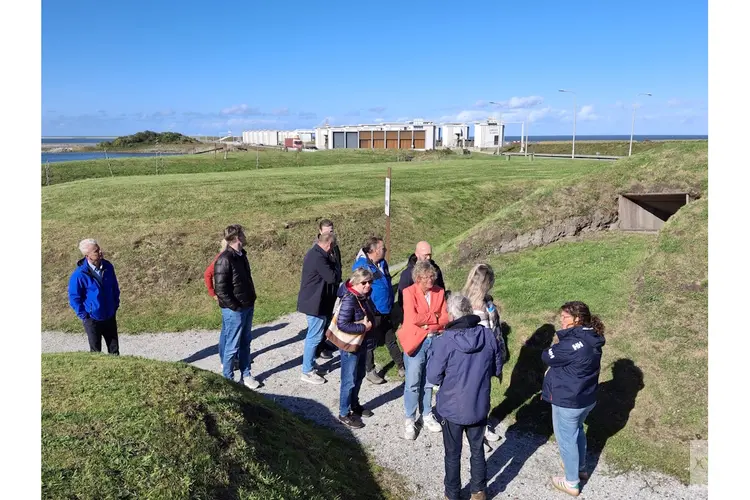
x,y
469,115
619,105
379,120
674,103
402,119
241,109
586,114
521,102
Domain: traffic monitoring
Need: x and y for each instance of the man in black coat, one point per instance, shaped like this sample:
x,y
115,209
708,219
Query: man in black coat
x,y
235,291
324,349
422,252
317,296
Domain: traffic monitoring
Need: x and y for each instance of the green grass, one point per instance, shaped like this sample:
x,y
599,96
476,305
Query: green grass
x,y
676,167
236,161
134,428
652,293
604,148
161,231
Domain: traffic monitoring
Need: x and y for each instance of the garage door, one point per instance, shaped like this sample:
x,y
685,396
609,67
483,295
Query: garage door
x,y
391,140
339,140
419,139
405,140
379,140
352,140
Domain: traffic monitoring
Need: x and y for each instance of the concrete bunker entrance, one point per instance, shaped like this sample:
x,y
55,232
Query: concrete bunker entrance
x,y
648,211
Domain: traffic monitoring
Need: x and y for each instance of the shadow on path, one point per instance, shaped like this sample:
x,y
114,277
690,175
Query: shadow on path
x,y
213,350
532,429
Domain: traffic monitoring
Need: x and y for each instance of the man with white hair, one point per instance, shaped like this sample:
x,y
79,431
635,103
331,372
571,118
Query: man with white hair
x,y
463,359
94,295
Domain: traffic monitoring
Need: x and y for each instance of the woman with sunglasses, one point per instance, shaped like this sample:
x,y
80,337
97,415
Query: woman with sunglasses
x,y
570,385
355,316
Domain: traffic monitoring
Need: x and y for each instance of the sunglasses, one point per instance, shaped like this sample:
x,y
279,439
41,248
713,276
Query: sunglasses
x,y
367,282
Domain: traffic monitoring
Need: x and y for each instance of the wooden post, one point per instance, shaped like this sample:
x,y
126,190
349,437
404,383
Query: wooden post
x,y
388,216
109,163
46,171
257,157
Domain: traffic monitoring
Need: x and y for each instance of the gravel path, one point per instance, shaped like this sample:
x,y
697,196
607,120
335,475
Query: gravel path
x,y
518,466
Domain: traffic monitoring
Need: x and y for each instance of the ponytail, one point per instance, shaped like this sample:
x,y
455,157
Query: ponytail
x,y
579,310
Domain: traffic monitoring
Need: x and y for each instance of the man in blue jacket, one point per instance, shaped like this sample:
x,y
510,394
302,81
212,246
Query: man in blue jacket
x,y
94,295
372,257
462,361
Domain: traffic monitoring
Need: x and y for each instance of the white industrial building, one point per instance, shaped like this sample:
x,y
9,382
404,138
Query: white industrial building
x,y
416,134
454,134
276,137
489,133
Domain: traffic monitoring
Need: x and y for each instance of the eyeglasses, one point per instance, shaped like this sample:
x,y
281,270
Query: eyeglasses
x,y
367,282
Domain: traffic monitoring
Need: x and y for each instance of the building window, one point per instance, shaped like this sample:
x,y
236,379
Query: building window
x,y
497,138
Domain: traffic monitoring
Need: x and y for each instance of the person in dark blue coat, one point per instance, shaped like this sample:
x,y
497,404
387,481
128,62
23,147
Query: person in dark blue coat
x,y
94,295
570,385
355,316
463,360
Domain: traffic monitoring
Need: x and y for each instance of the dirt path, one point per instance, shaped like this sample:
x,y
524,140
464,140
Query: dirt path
x,y
518,466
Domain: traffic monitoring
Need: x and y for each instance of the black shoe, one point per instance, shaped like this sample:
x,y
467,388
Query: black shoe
x,y
351,421
325,354
362,412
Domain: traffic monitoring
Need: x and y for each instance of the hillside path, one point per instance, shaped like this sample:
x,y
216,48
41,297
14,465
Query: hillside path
x,y
519,466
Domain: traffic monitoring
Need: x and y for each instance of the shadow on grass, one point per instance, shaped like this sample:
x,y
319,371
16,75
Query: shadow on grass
x,y
614,402
213,350
528,374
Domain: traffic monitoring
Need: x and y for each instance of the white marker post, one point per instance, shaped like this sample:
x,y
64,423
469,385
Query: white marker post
x,y
388,215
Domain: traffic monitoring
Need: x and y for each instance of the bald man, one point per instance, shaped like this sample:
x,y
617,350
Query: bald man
x,y
423,251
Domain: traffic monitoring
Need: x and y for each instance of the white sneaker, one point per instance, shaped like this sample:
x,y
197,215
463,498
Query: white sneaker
x,y
410,430
250,382
491,435
432,424
312,378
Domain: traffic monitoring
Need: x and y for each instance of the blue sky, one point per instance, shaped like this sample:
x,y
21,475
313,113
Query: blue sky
x,y
113,68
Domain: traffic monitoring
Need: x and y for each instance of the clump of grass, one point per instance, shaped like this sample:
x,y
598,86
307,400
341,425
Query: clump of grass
x,y
135,428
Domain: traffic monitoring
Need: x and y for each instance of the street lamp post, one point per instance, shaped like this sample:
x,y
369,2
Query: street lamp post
x,y
575,110
632,125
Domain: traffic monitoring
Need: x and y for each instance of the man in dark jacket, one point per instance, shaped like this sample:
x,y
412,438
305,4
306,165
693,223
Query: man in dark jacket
x,y
463,359
325,350
94,295
422,252
236,296
316,298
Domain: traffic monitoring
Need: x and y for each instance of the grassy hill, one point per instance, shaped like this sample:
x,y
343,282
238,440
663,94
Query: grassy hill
x,y
162,231
135,428
604,148
146,138
236,161
650,290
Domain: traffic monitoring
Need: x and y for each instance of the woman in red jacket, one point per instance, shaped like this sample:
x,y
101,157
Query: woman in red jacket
x,y
425,315
208,277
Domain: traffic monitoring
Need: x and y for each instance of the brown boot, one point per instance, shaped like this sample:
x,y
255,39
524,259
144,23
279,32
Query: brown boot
x,y
479,495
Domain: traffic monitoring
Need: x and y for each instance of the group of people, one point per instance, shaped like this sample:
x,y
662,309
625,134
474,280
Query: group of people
x,y
452,342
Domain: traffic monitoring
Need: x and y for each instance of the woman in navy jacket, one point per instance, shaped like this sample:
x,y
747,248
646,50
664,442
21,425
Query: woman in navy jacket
x,y
355,316
570,385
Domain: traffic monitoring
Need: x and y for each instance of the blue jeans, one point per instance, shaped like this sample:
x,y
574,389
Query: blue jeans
x,y
453,442
222,340
352,374
568,426
416,382
315,327
236,327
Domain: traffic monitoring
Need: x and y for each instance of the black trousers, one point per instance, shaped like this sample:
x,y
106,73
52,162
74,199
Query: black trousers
x,y
107,328
452,442
384,332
